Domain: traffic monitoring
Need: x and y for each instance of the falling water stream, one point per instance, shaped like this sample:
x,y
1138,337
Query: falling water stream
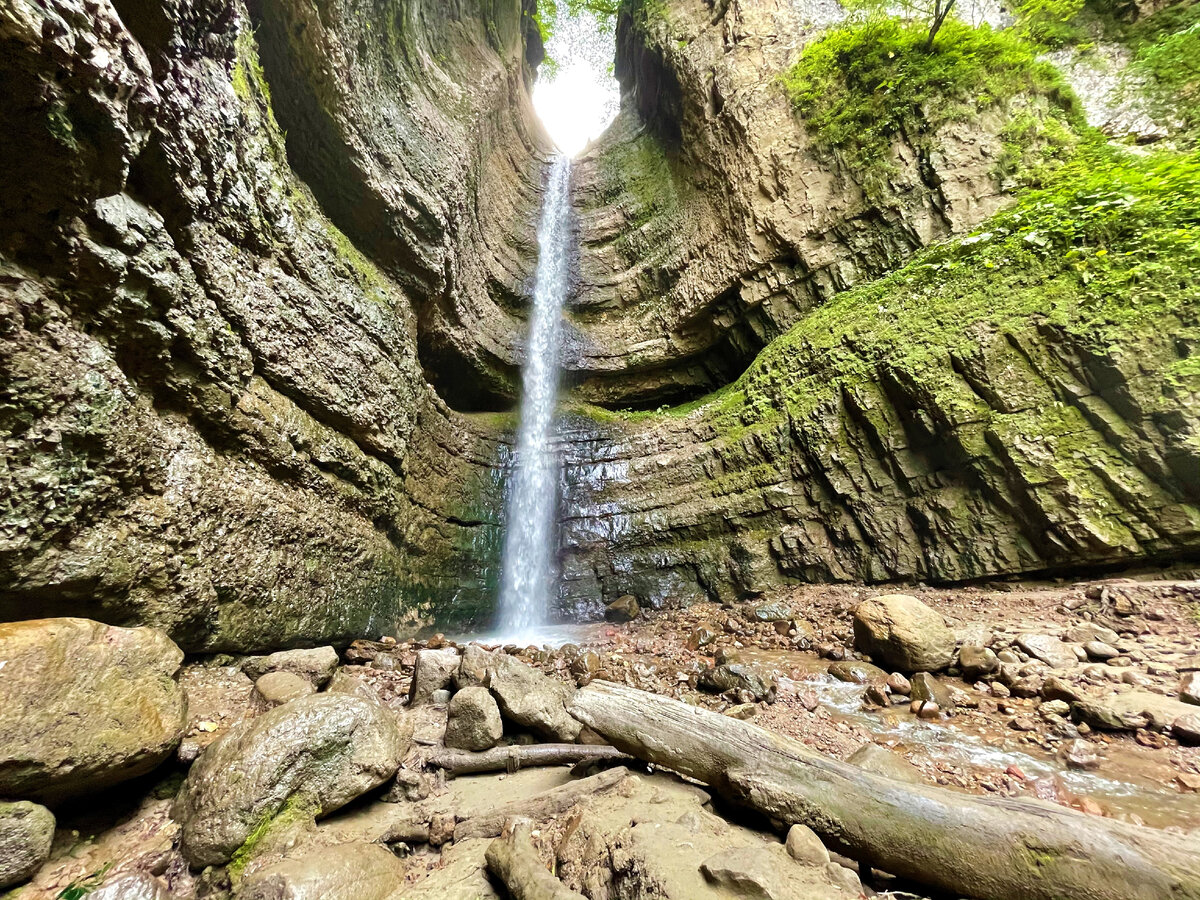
x,y
528,579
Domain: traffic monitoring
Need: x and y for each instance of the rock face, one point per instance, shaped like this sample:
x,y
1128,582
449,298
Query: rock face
x,y
26,832
305,758
903,633
474,721
86,705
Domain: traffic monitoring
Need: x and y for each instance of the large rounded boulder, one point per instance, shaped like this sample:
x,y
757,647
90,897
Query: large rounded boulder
x,y
310,756
902,633
85,705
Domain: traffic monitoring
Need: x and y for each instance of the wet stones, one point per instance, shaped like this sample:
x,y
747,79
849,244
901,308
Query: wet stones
x,y
434,671
927,689
1080,754
977,662
300,760
1050,650
86,705
854,672
623,609
531,699
276,688
903,633
474,720
736,679
315,665
700,636
26,833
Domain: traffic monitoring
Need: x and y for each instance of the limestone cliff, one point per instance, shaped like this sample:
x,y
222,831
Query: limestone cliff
x,y
232,236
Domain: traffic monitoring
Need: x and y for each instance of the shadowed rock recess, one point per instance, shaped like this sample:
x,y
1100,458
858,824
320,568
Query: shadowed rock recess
x,y
264,280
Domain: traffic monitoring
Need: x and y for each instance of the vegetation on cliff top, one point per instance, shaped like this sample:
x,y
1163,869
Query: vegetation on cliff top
x,y
864,84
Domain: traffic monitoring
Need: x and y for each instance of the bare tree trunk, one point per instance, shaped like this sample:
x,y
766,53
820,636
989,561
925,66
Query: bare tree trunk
x,y
513,859
510,759
939,18
981,847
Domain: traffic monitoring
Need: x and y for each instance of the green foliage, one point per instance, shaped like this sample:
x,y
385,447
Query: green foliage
x,y
1050,23
1108,251
248,72
1167,56
81,887
548,12
865,83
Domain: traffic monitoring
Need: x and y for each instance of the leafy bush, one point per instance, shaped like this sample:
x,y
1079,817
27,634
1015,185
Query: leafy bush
x,y
862,84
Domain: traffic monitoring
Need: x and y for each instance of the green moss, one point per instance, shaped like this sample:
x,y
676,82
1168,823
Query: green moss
x,y
298,808
1108,251
1167,57
865,84
58,123
369,278
248,76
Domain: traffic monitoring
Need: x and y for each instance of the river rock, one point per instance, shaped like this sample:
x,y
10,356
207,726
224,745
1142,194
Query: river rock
x,y
85,705
277,688
434,671
771,612
1186,728
342,872
805,847
885,762
473,667
977,662
132,886
927,688
1130,711
854,672
623,609
903,633
314,665
1080,754
1189,688
700,636
1100,651
1084,632
532,699
734,678
26,832
304,758
1050,650
898,684
474,720
461,875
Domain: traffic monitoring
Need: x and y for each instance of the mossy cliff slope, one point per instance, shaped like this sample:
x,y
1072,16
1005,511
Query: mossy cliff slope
x,y
224,231
1021,397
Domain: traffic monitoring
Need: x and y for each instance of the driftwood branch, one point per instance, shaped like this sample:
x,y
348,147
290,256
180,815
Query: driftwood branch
x,y
540,806
513,859
981,847
510,759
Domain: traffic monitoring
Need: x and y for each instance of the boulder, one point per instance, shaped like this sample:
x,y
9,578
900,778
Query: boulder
x,y
1130,711
903,633
928,689
86,705
343,682
532,699
1100,651
1050,650
623,609
314,665
474,720
304,758
882,761
854,672
280,687
1186,728
1085,632
805,847
473,667
342,872
26,832
770,612
461,875
434,671
735,677
133,886
1189,688
977,662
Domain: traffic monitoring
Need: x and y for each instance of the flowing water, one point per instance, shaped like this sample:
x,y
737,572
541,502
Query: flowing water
x,y
529,578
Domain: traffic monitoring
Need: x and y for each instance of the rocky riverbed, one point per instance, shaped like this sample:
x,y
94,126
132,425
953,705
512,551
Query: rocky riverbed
x,y
388,768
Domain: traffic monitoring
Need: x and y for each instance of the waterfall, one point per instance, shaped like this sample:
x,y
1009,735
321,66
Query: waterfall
x,y
529,575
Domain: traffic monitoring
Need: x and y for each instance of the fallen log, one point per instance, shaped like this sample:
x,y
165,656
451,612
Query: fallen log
x,y
981,847
513,859
510,759
540,806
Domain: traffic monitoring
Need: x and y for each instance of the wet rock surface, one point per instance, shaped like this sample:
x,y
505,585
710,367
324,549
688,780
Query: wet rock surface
x,y
86,705
303,759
